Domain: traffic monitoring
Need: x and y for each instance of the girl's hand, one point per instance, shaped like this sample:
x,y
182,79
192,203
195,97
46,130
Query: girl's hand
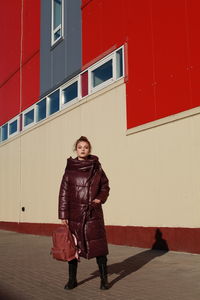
x,y
97,201
64,222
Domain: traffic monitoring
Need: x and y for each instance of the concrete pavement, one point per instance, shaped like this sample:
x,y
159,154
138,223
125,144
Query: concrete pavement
x,y
29,272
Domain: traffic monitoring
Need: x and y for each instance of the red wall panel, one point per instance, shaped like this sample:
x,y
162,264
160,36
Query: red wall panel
x,y
9,98
99,31
30,81
10,24
84,84
193,27
171,57
140,86
31,53
31,29
163,52
10,56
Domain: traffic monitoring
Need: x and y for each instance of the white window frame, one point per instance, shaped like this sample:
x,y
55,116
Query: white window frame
x,y
112,56
114,78
11,121
7,133
24,127
36,110
92,89
60,26
123,69
48,103
70,82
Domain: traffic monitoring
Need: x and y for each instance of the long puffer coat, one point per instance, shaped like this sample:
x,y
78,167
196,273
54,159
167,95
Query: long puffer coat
x,y
82,182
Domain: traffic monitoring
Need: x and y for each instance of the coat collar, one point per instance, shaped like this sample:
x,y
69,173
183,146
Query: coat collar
x,y
92,162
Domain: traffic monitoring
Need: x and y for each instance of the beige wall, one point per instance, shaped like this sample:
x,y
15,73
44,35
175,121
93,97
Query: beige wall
x,y
154,174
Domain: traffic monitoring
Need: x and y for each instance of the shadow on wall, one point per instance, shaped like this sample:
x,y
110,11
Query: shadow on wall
x,y
135,262
160,243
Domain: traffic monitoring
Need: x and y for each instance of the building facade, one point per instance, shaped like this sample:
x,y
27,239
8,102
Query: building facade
x,y
126,75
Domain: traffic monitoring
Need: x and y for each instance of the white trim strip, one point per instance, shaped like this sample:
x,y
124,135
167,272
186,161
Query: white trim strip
x,y
91,91
162,121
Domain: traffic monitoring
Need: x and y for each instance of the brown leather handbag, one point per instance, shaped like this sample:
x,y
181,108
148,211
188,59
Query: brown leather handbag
x,y
64,247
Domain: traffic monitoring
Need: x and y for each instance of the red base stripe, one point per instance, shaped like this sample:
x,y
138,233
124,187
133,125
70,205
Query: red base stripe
x,y
176,239
30,228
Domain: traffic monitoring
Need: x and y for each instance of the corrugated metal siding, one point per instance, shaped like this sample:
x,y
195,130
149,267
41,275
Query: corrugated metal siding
x,y
64,59
163,52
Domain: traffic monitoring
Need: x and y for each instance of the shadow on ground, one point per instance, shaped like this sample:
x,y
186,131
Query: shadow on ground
x,y
5,295
128,266
135,262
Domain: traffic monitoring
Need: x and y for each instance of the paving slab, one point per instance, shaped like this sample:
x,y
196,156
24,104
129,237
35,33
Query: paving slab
x,y
28,272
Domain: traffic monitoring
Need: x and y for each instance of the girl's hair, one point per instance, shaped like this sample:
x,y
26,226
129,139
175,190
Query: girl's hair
x,y
82,139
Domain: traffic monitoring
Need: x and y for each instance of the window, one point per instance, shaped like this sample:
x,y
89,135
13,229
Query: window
x,y
13,127
29,117
4,132
41,108
70,92
57,20
54,102
102,73
106,71
93,78
119,63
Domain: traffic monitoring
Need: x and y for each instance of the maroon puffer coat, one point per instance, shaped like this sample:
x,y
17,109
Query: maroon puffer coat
x,y
82,182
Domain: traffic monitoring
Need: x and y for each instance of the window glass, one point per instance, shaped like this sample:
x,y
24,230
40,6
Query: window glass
x,y
102,73
70,92
41,110
4,132
54,102
57,13
13,127
119,63
57,35
29,117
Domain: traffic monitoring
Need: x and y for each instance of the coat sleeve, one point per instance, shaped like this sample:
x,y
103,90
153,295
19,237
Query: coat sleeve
x,y
63,203
104,188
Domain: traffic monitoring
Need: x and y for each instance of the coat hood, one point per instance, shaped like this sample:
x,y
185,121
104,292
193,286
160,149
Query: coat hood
x,y
90,163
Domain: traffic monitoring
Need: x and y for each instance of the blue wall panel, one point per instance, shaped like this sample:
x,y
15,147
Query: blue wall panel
x,y
61,62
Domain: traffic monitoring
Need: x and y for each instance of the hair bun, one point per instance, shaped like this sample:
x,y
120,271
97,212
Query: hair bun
x,y
83,138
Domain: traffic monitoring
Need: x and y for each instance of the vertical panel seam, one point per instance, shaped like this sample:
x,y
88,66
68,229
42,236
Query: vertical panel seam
x,y
189,67
153,56
20,107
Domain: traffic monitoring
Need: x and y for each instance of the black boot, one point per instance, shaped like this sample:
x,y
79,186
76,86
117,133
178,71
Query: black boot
x,y
72,283
102,263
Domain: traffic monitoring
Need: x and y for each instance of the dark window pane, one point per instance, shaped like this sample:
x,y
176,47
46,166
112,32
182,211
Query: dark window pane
x,y
54,102
71,92
57,35
4,132
57,13
102,73
13,127
119,64
29,117
41,110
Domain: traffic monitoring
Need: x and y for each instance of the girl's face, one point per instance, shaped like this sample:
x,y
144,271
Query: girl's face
x,y
82,150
